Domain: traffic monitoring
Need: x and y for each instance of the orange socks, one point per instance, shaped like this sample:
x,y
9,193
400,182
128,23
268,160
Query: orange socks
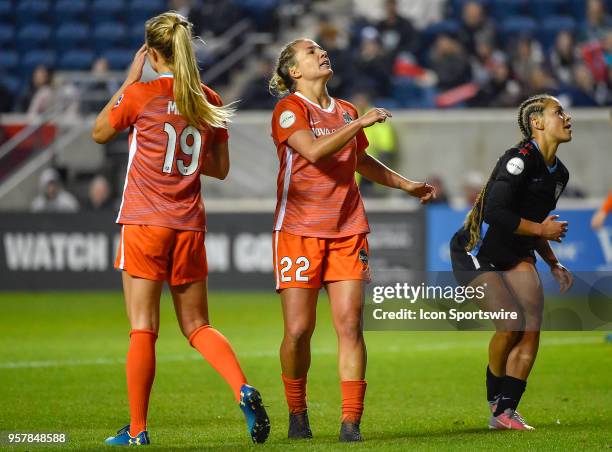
x,y
140,371
353,394
295,393
216,349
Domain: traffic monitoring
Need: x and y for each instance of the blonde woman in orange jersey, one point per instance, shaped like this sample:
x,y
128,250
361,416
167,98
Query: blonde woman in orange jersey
x,y
320,225
177,132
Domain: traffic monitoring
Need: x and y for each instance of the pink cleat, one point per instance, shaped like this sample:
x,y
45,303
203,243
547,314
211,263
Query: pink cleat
x,y
509,420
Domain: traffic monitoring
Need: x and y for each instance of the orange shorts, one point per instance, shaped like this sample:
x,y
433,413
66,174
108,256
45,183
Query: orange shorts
x,y
162,254
309,262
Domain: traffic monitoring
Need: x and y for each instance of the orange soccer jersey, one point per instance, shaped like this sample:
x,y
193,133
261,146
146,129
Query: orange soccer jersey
x,y
162,185
321,199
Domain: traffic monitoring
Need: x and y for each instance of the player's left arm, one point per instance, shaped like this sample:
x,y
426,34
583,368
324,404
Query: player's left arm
x,y
216,163
559,272
216,160
374,170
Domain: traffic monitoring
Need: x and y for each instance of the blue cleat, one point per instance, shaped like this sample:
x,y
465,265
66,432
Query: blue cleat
x,y
123,438
258,422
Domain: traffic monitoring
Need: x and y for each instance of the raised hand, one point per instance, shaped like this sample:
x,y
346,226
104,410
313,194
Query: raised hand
x,y
135,71
373,116
552,229
421,190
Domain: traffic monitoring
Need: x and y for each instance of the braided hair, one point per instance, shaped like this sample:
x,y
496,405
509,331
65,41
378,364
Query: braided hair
x,y
281,82
534,105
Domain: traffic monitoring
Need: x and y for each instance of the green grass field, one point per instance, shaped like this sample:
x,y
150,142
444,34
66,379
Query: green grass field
x,y
61,369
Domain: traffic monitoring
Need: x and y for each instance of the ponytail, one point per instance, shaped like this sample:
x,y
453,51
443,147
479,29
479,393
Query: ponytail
x,y
171,34
473,221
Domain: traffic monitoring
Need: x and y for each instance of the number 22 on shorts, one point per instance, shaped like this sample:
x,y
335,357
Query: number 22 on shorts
x,y
302,264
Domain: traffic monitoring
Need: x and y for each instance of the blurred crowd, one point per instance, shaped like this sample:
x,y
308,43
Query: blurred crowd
x,y
54,197
464,54
390,53
466,57
41,39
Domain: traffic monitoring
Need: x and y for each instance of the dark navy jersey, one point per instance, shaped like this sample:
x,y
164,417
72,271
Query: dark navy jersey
x,y
521,186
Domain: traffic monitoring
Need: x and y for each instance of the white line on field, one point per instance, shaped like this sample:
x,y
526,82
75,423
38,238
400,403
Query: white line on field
x,y
273,353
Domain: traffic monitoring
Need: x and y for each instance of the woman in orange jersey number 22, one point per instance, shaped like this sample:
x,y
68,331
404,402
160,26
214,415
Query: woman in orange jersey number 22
x,y
320,225
178,131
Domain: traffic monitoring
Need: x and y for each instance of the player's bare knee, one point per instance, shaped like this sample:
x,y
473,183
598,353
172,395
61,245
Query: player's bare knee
x,y
350,331
511,327
533,322
298,334
188,327
511,336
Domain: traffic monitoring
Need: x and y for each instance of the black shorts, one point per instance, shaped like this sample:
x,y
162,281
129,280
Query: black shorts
x,y
467,266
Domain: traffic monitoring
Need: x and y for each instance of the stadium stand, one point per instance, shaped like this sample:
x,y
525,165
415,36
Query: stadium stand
x,y
398,52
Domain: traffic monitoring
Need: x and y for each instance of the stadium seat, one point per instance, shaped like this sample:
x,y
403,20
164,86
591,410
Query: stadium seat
x,y
70,11
141,10
7,36
108,34
9,60
29,11
446,26
260,11
545,8
35,58
107,10
6,10
503,9
33,36
71,35
517,26
76,60
457,6
12,83
578,9
408,94
137,35
551,26
119,58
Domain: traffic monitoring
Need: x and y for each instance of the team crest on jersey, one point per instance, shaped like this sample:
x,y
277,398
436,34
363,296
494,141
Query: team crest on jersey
x,y
363,256
515,166
558,190
347,117
286,119
118,101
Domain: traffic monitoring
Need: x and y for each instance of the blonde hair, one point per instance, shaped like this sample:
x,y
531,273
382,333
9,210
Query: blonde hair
x,y
170,34
535,105
281,82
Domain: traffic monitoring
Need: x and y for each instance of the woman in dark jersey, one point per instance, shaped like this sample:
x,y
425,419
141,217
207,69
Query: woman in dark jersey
x,y
496,248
